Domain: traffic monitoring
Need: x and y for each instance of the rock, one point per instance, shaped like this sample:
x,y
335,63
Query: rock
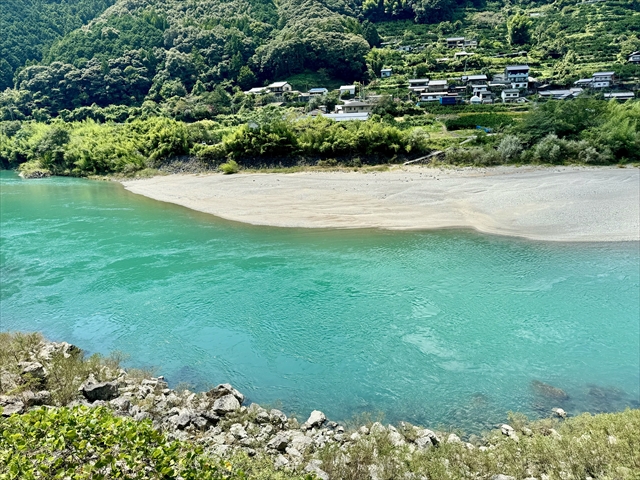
x,y
377,427
238,431
99,391
199,422
559,412
396,439
11,405
507,430
262,417
280,461
554,434
32,369
314,467
355,436
277,416
611,440
301,442
526,431
453,438
138,417
223,390
316,419
549,391
120,404
425,432
226,404
423,442
500,476
279,442
363,430
181,421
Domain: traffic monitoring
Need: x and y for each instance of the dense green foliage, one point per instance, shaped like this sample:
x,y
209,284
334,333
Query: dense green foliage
x,y
82,443
30,27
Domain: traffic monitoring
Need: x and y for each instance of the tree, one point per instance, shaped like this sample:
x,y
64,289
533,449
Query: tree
x,y
246,78
518,29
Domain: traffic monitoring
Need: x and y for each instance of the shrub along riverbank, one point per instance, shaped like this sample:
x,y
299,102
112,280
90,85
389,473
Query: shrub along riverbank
x,y
584,130
68,416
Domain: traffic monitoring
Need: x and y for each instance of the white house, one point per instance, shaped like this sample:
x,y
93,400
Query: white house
x,y
461,42
432,96
517,73
437,85
584,82
356,107
344,117
635,57
474,78
603,79
480,88
620,96
256,91
279,88
386,72
418,84
318,92
348,89
510,95
566,94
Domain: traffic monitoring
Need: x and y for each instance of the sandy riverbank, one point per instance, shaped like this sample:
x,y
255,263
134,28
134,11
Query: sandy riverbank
x,y
541,203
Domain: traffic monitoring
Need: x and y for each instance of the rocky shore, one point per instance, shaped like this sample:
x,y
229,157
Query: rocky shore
x,y
222,424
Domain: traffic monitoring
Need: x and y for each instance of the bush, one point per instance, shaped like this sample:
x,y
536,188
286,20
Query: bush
x,y
230,167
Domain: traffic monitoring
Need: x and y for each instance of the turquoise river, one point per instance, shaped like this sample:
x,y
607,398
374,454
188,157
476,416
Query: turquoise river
x,y
446,328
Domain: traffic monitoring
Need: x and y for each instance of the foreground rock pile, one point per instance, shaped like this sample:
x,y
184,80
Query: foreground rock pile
x,y
218,419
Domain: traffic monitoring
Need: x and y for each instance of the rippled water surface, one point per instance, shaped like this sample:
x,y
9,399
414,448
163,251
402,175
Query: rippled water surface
x,y
451,328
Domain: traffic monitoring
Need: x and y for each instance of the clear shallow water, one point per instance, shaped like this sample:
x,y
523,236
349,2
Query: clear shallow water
x,y
437,328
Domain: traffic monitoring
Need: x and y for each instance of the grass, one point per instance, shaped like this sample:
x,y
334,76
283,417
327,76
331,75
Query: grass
x,y
65,372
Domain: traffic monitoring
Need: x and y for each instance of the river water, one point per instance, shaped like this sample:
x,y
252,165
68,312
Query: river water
x,y
439,328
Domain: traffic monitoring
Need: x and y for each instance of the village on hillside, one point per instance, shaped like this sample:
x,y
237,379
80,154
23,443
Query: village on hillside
x,y
513,85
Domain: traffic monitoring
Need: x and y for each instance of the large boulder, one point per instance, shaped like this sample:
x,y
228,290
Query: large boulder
x,y
11,405
100,391
316,419
223,390
225,404
32,370
279,442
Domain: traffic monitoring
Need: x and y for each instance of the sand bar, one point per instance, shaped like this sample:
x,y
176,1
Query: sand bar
x,y
539,203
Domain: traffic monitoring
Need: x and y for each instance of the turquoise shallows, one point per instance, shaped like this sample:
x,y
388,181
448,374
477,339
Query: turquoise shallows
x,y
439,328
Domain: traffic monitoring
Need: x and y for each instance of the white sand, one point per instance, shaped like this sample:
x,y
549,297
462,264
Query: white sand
x,y
559,204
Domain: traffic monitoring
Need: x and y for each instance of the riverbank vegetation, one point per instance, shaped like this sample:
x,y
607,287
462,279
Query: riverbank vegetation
x,y
73,438
586,130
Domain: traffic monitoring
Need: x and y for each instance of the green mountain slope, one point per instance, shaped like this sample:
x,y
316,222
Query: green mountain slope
x,y
30,27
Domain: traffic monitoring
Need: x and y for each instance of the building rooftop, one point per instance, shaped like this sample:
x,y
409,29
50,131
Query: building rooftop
x,y
599,74
437,82
341,117
318,90
278,84
454,39
517,67
418,80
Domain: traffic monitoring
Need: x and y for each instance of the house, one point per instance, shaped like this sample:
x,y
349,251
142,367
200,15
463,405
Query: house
x,y
635,57
437,86
620,96
565,94
474,78
486,97
256,91
343,117
432,96
460,42
356,107
454,42
318,92
584,83
463,54
347,89
386,72
521,84
517,73
480,88
510,95
418,84
279,88
603,79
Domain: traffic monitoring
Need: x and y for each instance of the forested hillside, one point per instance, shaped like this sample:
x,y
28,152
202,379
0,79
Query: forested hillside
x,y
29,27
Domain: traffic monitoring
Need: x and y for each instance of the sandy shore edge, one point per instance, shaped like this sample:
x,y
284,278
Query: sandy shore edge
x,y
539,203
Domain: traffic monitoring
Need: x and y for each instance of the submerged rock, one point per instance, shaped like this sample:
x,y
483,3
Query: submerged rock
x,y
549,391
